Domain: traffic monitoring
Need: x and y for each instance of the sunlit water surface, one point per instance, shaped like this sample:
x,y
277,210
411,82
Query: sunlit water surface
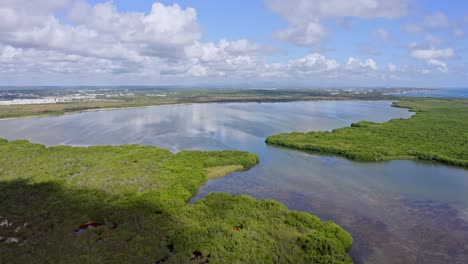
x,y
397,211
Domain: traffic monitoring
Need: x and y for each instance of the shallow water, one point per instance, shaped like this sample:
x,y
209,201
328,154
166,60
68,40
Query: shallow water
x,y
397,211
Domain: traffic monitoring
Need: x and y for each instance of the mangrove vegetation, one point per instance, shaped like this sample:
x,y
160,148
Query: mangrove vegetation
x,y
437,132
128,204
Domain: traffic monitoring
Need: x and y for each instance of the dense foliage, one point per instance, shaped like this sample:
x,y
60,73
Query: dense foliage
x,y
127,204
438,131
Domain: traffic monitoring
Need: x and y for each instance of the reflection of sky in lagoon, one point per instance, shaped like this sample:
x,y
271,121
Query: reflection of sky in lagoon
x,y
226,123
397,211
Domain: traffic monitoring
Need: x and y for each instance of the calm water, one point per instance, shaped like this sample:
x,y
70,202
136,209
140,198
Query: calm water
x,y
397,211
448,92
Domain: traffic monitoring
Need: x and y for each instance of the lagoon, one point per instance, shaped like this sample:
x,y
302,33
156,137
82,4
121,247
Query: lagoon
x,y
397,211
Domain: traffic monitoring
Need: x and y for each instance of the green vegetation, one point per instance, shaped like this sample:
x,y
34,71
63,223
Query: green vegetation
x,y
136,197
438,131
149,97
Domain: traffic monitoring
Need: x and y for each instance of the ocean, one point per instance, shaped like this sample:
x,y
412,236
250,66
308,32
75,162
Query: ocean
x,y
447,92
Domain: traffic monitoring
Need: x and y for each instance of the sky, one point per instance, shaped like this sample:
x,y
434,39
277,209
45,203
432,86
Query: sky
x,y
243,43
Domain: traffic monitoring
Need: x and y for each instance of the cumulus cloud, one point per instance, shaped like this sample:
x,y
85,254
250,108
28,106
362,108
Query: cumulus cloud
x,y
355,65
431,53
305,16
164,25
211,52
19,60
166,43
163,43
433,57
31,7
239,57
102,40
317,65
101,32
312,63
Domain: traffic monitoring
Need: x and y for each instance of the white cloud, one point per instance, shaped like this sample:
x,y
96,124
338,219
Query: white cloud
x,y
198,71
431,53
365,50
102,32
239,47
28,6
206,52
305,16
9,53
392,67
316,65
433,40
32,61
80,11
437,20
299,10
439,65
101,40
164,25
413,28
458,32
238,56
309,34
312,63
433,57
165,44
381,34
416,45
358,66
432,23
8,18
17,14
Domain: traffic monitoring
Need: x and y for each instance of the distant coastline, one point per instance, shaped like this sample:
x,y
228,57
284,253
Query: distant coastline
x,y
73,101
439,93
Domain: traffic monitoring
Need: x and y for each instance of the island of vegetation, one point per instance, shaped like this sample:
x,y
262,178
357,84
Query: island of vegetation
x,y
437,132
128,204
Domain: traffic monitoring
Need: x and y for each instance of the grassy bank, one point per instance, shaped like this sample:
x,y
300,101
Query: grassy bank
x,y
438,131
128,204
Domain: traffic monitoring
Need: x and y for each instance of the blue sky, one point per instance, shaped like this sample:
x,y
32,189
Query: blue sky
x,y
307,43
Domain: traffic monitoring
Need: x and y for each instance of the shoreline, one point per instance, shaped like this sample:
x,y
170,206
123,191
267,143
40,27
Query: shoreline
x,y
279,100
313,141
